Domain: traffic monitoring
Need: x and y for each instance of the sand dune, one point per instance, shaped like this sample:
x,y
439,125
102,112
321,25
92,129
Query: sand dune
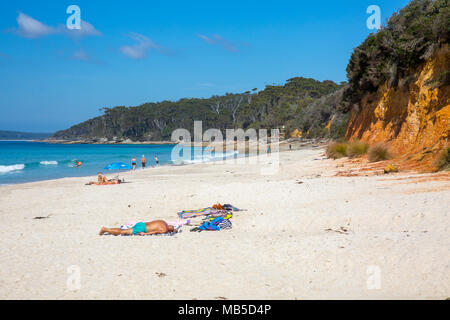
x,y
328,237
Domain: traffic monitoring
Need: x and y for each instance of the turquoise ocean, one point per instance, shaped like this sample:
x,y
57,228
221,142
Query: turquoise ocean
x,y
26,161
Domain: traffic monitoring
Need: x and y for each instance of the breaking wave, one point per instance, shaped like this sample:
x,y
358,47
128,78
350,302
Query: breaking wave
x,y
207,157
49,163
11,168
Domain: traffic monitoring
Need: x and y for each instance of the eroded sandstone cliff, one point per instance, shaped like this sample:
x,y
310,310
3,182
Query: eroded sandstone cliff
x,y
413,117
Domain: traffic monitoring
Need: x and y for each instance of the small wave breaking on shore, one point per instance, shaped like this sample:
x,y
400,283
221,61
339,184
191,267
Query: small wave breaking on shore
x,y
49,163
207,157
11,168
30,165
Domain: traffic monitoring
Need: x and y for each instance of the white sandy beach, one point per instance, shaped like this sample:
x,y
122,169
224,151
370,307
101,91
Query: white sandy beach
x,y
289,244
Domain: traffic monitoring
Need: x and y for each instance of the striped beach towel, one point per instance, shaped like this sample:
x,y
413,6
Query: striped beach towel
x,y
200,212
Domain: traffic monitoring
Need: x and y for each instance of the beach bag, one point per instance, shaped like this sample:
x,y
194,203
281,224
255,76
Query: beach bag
x,y
224,224
229,207
216,224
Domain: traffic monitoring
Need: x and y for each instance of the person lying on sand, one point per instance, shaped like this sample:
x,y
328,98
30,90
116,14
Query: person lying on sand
x,y
102,180
141,228
112,181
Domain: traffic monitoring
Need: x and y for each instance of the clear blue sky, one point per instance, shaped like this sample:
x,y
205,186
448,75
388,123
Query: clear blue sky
x,y
131,52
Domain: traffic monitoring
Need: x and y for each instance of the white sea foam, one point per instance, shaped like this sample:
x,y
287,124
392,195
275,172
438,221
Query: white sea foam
x,y
49,163
209,157
193,161
14,167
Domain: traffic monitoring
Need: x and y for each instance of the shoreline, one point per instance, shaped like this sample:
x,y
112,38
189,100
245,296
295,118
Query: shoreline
x,y
296,144
94,176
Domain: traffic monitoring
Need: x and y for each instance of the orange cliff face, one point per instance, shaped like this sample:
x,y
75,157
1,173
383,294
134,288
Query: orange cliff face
x,y
414,118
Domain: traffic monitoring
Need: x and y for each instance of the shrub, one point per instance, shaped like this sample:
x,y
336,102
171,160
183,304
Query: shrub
x,y
379,152
357,148
442,162
337,150
390,168
409,37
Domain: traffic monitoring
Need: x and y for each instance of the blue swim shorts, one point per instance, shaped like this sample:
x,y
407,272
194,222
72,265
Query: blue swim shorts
x,y
139,227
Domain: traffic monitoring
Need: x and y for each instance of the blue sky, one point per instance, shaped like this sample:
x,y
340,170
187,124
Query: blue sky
x,y
131,52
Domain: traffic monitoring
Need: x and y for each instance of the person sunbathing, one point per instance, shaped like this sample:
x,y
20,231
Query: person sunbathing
x,y
111,181
102,180
141,228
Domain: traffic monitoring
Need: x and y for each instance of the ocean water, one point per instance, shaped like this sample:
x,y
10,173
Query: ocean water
x,y
24,161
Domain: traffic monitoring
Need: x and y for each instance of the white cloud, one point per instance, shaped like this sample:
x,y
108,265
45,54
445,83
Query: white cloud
x,y
87,30
32,28
82,55
218,40
142,47
206,39
139,50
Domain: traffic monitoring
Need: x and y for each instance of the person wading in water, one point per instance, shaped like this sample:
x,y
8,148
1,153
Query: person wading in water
x,y
143,162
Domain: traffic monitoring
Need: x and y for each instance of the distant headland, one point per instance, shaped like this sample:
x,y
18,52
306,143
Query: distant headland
x,y
17,135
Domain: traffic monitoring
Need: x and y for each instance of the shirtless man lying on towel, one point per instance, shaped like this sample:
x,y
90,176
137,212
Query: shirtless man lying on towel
x,y
141,228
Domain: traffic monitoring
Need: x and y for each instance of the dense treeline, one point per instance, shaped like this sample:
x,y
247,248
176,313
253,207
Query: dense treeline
x,y
408,39
273,107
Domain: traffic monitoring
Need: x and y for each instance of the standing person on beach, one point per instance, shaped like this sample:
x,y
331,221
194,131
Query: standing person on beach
x,y
133,163
143,162
156,160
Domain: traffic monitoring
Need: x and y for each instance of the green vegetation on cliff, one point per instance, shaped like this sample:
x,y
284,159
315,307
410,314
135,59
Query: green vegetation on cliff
x,y
409,38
